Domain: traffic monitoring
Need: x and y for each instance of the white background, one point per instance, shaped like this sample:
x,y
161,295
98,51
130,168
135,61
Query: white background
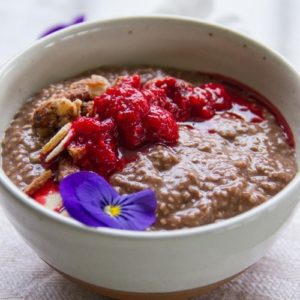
x,y
274,22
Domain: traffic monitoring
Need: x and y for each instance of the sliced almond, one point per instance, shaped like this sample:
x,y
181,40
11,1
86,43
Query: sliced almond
x,y
56,139
60,147
38,182
58,143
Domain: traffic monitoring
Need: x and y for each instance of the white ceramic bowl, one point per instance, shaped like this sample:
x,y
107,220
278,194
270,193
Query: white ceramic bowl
x,y
155,262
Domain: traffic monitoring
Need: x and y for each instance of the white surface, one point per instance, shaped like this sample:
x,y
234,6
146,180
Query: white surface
x,y
274,22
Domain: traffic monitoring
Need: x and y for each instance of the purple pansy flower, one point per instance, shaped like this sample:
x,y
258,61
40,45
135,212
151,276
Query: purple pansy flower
x,y
54,28
90,199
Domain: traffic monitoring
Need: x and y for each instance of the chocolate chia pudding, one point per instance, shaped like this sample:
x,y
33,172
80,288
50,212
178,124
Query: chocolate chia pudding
x,y
208,147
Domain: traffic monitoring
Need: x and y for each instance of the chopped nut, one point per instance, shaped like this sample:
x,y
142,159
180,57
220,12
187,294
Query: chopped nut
x,y
65,168
54,113
87,108
76,151
96,85
38,182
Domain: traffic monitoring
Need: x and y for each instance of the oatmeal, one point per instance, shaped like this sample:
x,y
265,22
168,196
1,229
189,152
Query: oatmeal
x,y
206,160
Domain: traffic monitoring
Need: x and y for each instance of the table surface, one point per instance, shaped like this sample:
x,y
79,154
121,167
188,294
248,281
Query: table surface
x,y
275,22
275,277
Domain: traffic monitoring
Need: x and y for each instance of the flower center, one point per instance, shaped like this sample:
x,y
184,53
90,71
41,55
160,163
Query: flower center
x,y
113,211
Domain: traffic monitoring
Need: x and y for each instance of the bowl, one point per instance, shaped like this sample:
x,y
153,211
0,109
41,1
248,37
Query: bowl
x,y
148,265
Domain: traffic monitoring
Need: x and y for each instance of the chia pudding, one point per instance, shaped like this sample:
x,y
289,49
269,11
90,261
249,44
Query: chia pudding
x,y
208,147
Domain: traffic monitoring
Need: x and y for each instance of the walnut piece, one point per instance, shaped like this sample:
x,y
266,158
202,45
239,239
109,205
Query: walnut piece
x,y
55,113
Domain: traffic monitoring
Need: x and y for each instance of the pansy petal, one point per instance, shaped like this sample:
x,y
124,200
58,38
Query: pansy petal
x,y
138,212
106,220
58,27
73,205
52,30
138,221
144,199
75,210
105,190
90,193
87,188
78,19
86,195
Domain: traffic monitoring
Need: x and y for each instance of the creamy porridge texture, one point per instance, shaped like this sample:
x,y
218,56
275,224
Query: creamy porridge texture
x,y
223,164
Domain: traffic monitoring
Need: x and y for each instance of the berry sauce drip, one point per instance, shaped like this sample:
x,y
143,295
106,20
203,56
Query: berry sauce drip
x,y
131,115
47,189
236,87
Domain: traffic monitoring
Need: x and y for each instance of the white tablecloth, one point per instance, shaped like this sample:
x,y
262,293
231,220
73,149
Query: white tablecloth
x,y
24,276
275,22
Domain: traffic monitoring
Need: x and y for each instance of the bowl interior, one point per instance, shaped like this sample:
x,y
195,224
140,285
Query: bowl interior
x,y
160,41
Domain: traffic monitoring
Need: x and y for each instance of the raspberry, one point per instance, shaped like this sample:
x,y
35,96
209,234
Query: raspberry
x,y
127,106
102,156
91,128
207,112
218,96
118,100
177,91
161,126
198,99
86,126
131,130
132,81
124,95
158,97
97,141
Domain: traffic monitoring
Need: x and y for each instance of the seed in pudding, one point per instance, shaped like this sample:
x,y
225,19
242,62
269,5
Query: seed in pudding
x,y
207,147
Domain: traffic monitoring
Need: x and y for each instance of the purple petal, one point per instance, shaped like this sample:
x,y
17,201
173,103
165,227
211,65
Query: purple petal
x,y
138,210
71,188
78,19
95,185
57,27
106,220
95,201
86,194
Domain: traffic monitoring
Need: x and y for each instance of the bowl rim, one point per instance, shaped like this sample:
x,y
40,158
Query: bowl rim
x,y
226,224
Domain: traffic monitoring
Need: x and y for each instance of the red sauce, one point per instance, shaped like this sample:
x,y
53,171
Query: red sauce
x,y
247,92
49,188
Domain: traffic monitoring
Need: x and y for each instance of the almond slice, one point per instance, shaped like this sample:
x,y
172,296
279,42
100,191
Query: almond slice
x,y
58,143
56,139
60,147
38,182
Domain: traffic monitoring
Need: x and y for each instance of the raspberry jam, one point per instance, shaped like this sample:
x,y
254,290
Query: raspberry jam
x,y
48,189
130,115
